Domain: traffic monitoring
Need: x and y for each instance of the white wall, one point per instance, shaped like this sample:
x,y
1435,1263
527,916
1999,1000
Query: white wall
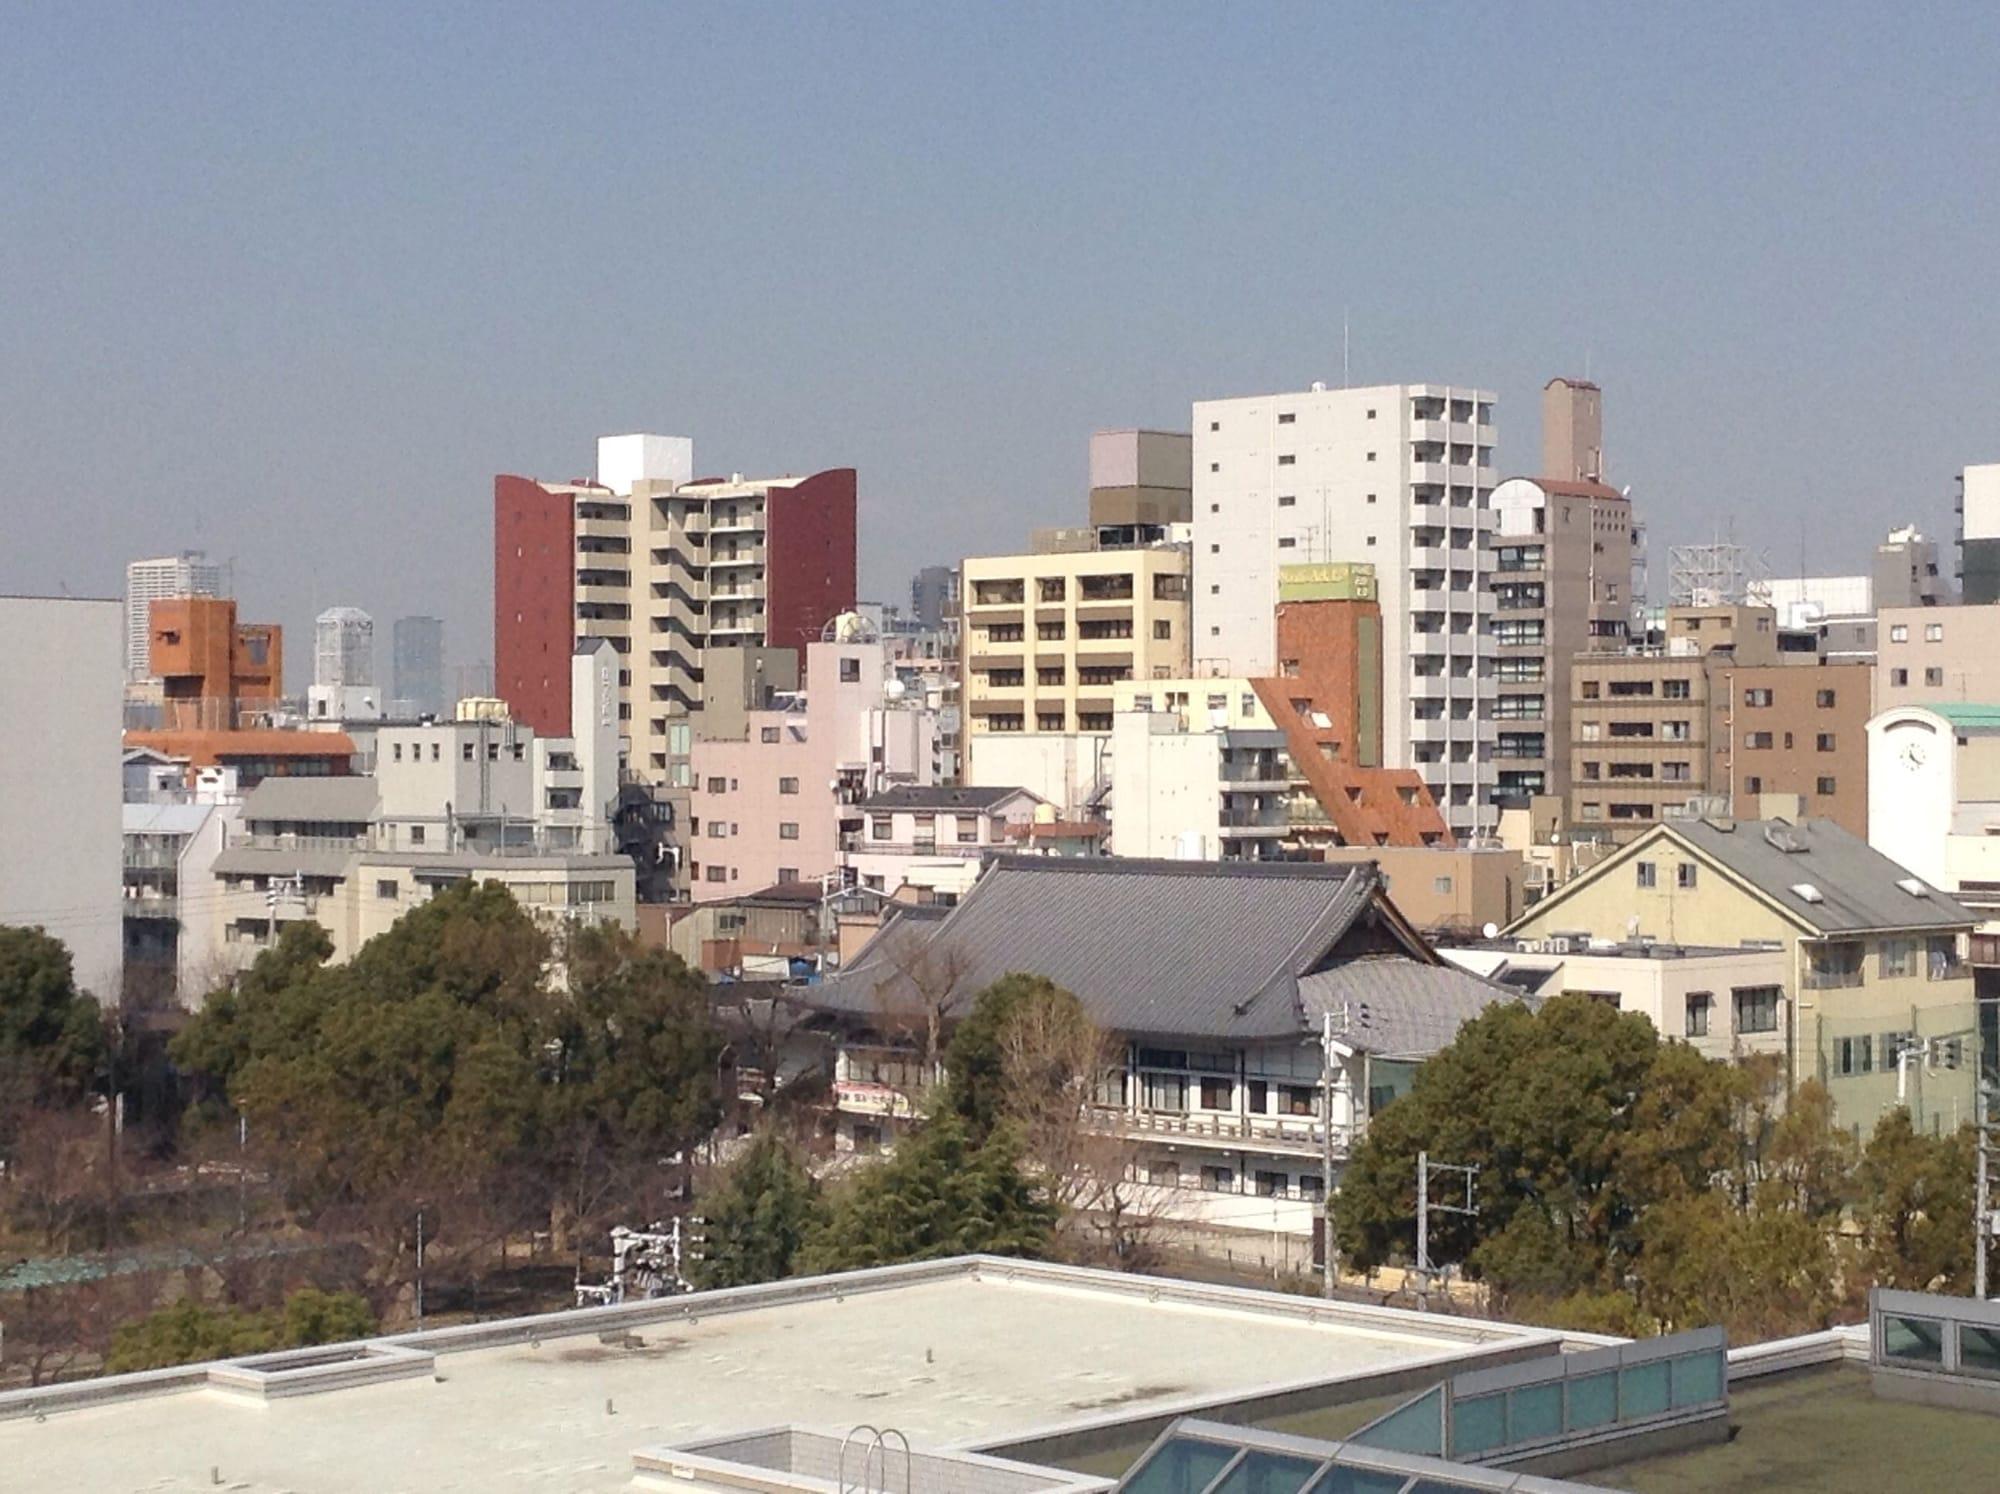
x,y
1912,790
1064,768
62,831
1168,799
624,460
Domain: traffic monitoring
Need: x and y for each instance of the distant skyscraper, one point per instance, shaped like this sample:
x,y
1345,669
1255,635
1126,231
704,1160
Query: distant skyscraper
x,y
419,667
188,574
934,596
343,648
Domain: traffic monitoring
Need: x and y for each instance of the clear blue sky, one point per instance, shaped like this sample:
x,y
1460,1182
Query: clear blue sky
x,y
292,283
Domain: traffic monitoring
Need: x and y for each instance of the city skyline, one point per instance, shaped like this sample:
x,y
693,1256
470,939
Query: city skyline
x,y
304,315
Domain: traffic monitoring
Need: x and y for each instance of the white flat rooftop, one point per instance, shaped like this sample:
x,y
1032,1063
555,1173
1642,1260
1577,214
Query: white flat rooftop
x,y
966,1352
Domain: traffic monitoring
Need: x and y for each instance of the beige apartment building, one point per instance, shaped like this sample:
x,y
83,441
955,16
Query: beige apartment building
x,y
1937,656
1793,739
1049,636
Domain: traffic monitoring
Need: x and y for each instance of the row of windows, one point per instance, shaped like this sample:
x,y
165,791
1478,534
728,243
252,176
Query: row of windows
x,y
1900,632
1933,676
715,872
1825,785
1756,1010
1760,741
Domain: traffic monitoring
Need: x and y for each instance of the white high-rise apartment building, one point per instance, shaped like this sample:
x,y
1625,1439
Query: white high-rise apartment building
x,y
1400,476
188,574
343,648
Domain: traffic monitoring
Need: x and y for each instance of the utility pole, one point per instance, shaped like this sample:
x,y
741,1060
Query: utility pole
x,y
1329,1265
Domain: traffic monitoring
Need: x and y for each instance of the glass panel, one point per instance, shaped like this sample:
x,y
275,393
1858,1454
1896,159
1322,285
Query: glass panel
x,y
1593,1401
1979,1349
1359,1481
1535,1412
1417,1427
1642,1390
1697,1379
1921,1339
1267,1473
1183,1466
1478,1425
1438,1486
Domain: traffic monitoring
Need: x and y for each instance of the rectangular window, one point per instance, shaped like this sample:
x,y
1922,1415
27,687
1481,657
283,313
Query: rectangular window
x,y
1699,1005
788,830
1756,697
396,753
1825,787
1272,1184
1287,460
1219,1179
1933,676
1757,740
386,887
1286,417
788,785
1218,1094
1676,689
1823,699
1684,875
1898,958
1287,500
1649,874
1934,632
1855,1055
718,785
416,835
1899,676
850,670
880,827
968,829
1823,742
1756,1008
1163,628
714,873
768,734
1899,633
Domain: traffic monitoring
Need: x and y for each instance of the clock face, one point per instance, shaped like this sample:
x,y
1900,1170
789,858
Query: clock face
x,y
1913,755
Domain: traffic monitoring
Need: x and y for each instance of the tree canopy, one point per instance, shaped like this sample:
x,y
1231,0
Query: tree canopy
x,y
52,1040
758,1217
189,1331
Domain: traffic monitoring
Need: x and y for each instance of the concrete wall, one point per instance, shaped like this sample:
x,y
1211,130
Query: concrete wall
x,y
62,680
1937,656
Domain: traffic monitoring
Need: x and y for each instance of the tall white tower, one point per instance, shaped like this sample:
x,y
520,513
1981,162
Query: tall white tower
x,y
188,574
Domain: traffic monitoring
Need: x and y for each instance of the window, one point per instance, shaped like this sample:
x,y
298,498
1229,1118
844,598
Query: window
x,y
1684,875
1699,1006
788,830
1933,676
968,829
788,874
1675,689
1898,957
1934,632
416,835
386,887
1272,1184
718,829
1287,460
1854,1055
1899,676
1218,1094
718,785
768,734
714,873
1823,699
1757,740
1441,886
1899,633
1756,1008
1288,500
1590,689
465,751
1163,628
788,785
397,752
1287,417
1219,1179
1823,742
1824,787
1756,697
880,827
1288,543
850,671
1649,874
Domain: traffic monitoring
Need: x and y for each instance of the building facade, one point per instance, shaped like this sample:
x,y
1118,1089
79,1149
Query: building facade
x,y
668,569
1937,655
1398,476
927,844
1979,534
188,574
418,688
1048,636
61,691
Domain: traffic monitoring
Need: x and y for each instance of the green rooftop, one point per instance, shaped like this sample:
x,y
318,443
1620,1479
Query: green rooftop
x,y
1971,717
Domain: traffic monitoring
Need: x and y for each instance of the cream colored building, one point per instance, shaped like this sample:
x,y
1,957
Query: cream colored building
x,y
1877,996
1050,637
1937,656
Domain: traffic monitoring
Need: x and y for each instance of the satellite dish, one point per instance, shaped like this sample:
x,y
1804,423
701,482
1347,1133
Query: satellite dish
x,y
1490,931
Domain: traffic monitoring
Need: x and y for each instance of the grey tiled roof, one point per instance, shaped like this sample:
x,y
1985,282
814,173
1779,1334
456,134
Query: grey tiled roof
x,y
941,796
1163,948
1859,886
1395,1007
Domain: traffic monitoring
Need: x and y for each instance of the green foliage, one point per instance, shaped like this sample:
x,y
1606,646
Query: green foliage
x,y
758,1218
976,1078
189,1331
447,1060
52,1043
1914,1205
939,1195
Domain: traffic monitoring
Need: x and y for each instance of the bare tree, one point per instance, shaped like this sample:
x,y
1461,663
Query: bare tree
x,y
924,986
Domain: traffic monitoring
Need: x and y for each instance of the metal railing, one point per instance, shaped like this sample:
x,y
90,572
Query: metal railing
x,y
1302,1133
1832,980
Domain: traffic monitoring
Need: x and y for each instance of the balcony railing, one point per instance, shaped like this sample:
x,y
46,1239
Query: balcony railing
x,y
1293,1134
1832,980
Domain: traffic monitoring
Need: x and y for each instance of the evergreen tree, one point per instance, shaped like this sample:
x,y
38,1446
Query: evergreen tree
x,y
938,1195
52,1043
758,1218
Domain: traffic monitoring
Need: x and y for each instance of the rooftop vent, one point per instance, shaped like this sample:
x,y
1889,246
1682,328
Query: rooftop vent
x,y
1914,886
1806,892
1782,837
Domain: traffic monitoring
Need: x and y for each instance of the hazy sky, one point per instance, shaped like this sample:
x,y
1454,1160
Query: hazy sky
x,y
291,283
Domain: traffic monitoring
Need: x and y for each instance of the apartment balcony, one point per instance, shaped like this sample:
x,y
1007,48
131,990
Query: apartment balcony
x,y
735,629
1291,1136
148,903
741,524
600,528
999,656
741,590
1255,773
1430,729
1271,819
600,595
1430,687
1428,557
748,555
1833,980
1430,474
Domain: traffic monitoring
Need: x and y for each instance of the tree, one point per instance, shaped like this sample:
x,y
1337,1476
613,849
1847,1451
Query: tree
x,y
1914,1207
938,1195
190,1331
759,1217
52,1043
1579,1120
635,1057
